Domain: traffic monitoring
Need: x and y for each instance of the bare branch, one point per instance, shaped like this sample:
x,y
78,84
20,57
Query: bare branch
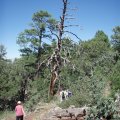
x,y
73,34
54,34
70,18
71,26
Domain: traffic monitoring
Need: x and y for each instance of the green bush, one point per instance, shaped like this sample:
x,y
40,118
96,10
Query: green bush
x,y
104,107
76,100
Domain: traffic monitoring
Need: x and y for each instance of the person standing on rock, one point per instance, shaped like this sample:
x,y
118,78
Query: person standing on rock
x,y
19,110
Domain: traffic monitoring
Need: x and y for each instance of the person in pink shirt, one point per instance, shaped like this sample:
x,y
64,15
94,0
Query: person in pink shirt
x,y
19,110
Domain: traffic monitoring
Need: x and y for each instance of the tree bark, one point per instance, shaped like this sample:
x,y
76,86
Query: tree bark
x,y
57,60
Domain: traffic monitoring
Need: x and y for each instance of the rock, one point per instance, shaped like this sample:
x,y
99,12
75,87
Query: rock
x,y
66,114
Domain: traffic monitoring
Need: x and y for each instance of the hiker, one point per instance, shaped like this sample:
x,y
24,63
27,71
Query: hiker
x,y
19,110
63,95
66,94
69,93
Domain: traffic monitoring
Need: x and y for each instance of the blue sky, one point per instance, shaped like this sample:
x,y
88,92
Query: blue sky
x,y
91,15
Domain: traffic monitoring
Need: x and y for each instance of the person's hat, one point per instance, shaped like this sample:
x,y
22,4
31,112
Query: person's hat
x,y
19,102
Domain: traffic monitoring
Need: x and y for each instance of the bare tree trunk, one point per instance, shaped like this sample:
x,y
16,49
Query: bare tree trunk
x,y
57,57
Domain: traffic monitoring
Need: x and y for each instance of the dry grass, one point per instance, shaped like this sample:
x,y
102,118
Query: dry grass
x,y
7,115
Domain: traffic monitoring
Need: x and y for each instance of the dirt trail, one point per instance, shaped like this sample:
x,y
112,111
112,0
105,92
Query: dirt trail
x,y
39,112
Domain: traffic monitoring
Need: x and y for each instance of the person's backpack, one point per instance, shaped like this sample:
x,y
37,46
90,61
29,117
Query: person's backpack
x,y
63,95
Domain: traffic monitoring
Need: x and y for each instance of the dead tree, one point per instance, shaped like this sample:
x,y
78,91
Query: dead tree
x,y
56,59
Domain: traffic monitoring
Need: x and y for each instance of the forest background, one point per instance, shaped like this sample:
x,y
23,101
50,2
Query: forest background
x,y
90,69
